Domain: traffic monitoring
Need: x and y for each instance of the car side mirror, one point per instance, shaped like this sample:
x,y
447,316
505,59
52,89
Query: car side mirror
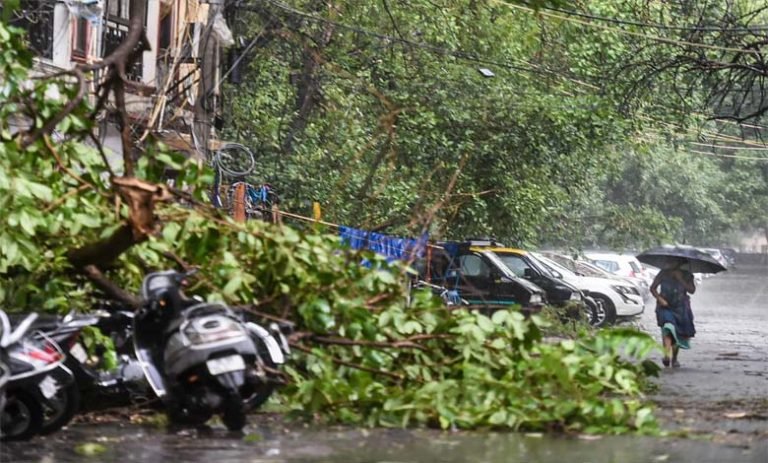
x,y
557,274
528,273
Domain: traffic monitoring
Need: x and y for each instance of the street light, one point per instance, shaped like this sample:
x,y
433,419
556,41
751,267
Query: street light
x,y
486,72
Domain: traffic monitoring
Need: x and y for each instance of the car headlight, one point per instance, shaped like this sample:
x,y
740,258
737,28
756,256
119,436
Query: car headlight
x,y
535,299
625,290
575,296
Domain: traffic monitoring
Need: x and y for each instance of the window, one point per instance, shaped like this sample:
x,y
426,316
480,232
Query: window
x,y
588,270
116,29
474,266
81,35
607,265
35,17
635,268
165,33
515,263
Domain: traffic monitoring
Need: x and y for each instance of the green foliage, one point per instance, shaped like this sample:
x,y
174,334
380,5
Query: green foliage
x,y
479,371
90,449
388,104
362,355
100,347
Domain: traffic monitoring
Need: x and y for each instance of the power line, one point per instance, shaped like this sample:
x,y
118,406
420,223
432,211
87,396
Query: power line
x,y
459,54
731,156
626,32
726,147
758,27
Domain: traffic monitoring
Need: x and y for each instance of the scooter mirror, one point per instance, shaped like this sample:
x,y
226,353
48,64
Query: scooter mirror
x,y
5,329
21,330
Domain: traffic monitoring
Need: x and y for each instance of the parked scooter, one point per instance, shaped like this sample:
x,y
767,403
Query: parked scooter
x,y
102,387
38,376
5,372
201,358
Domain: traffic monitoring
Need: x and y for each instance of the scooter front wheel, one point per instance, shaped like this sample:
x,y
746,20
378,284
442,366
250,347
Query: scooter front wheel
x,y
233,415
22,416
181,417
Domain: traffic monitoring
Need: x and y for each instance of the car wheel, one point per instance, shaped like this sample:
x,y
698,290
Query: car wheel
x,y
606,311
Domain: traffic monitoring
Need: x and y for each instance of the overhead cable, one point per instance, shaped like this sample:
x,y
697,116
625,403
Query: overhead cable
x,y
619,30
690,28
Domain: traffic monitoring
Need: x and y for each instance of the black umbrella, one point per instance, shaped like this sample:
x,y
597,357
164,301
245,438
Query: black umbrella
x,y
671,256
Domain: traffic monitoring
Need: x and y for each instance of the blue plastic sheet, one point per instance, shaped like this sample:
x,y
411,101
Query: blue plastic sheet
x,y
391,247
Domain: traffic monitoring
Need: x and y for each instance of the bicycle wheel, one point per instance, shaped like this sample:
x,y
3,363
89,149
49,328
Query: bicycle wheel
x,y
235,160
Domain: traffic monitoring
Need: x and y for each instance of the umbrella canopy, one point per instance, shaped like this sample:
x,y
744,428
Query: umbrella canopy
x,y
671,256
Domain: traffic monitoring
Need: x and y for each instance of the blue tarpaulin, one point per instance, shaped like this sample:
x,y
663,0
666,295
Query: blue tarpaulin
x,y
391,247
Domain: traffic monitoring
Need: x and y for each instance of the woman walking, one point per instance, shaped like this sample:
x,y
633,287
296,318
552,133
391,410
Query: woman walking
x,y
671,288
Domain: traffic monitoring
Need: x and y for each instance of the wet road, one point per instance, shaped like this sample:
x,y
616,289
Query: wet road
x,y
721,390
722,386
275,444
729,355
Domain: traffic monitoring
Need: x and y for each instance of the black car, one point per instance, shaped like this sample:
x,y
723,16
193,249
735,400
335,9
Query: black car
x,y
479,278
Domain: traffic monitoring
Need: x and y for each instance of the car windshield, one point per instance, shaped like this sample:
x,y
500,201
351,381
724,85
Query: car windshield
x,y
591,270
518,264
607,265
552,265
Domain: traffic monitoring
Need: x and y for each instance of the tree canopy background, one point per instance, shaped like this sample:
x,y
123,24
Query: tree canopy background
x,y
597,125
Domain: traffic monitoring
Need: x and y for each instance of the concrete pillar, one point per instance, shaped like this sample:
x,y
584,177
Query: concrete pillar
x,y
149,71
62,36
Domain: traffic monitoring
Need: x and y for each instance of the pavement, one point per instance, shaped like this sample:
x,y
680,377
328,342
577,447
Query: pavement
x,y
721,389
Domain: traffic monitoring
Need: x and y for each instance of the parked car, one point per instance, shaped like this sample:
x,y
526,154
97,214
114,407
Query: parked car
x,y
615,297
469,273
526,266
730,256
625,265
588,269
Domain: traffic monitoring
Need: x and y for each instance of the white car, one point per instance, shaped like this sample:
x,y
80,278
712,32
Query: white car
x,y
625,265
588,269
615,298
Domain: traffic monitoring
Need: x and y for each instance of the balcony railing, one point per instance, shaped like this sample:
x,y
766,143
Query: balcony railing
x,y
115,31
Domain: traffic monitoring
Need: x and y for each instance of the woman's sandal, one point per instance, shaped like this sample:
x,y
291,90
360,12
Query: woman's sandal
x,y
665,361
676,364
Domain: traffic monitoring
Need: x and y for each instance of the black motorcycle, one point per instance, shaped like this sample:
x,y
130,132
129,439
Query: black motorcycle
x,y
200,358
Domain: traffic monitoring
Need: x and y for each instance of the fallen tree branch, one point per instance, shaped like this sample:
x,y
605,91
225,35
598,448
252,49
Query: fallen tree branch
x,y
352,365
109,287
65,196
51,124
405,344
60,163
185,266
105,251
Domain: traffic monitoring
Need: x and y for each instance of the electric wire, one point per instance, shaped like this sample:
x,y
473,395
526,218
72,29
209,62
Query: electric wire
x,y
626,32
459,54
691,28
